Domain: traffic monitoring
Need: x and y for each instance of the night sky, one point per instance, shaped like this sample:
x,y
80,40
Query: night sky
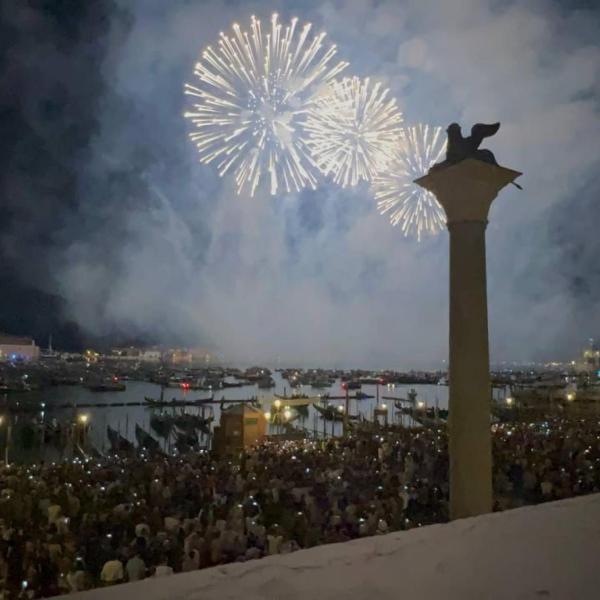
x,y
112,232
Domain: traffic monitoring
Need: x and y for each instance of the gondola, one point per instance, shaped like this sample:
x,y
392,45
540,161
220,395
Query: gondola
x,y
203,423
425,416
331,413
117,442
185,423
145,440
190,423
109,386
302,410
185,441
361,396
177,403
161,424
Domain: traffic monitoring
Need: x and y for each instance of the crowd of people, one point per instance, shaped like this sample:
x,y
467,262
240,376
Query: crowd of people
x,y
70,526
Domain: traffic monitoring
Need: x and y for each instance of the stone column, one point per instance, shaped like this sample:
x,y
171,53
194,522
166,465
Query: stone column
x,y
466,191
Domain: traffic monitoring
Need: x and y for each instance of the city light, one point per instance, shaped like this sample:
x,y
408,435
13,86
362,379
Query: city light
x,y
420,404
287,414
509,401
570,396
277,403
83,419
267,415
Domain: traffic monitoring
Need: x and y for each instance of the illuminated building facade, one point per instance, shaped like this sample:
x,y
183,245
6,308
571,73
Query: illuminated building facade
x,y
241,427
590,358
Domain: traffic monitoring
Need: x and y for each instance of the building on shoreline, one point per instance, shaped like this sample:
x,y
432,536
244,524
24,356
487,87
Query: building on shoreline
x,y
18,348
590,358
131,353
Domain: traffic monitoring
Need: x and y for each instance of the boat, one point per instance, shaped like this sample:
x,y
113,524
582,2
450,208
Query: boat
x,y
302,410
107,386
203,424
265,382
320,383
117,442
331,413
177,403
145,440
399,402
184,442
425,416
189,423
357,396
371,381
162,425
292,397
352,385
234,384
200,423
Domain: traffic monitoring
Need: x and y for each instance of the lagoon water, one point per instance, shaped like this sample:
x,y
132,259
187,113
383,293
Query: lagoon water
x,y
124,419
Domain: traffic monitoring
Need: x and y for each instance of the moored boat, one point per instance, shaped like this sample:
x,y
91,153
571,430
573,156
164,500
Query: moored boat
x,y
145,440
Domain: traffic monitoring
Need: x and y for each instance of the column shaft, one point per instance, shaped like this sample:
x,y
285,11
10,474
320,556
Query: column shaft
x,y
469,404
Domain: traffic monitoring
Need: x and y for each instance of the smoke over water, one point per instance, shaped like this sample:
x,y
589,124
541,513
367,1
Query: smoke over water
x,y
109,212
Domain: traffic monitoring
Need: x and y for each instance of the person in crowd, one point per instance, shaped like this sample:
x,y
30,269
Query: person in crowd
x,y
163,569
112,571
135,567
77,577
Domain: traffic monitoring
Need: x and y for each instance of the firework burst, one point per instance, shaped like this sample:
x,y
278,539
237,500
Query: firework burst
x,y
353,129
251,100
416,210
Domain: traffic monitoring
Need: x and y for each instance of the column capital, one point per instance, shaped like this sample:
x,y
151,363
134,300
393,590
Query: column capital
x,y
467,189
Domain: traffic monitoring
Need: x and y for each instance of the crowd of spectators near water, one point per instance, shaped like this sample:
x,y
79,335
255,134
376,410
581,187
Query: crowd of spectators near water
x,y
75,525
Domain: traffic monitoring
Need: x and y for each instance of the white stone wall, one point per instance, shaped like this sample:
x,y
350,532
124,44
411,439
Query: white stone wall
x,y
547,551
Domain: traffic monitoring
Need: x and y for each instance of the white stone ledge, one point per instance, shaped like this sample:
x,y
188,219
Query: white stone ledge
x,y
538,552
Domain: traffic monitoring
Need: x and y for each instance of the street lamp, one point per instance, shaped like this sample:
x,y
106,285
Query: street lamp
x,y
287,414
267,415
80,433
570,396
509,401
277,403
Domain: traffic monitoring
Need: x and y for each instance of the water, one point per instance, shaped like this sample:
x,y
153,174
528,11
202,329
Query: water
x,y
124,419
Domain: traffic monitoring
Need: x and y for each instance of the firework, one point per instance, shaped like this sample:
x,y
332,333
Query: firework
x,y
412,207
251,100
354,128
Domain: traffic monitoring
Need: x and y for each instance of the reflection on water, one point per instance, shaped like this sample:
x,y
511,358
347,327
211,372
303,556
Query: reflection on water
x,y
124,419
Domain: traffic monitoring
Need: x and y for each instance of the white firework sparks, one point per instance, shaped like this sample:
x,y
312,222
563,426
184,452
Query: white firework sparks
x,y
409,205
354,128
251,100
